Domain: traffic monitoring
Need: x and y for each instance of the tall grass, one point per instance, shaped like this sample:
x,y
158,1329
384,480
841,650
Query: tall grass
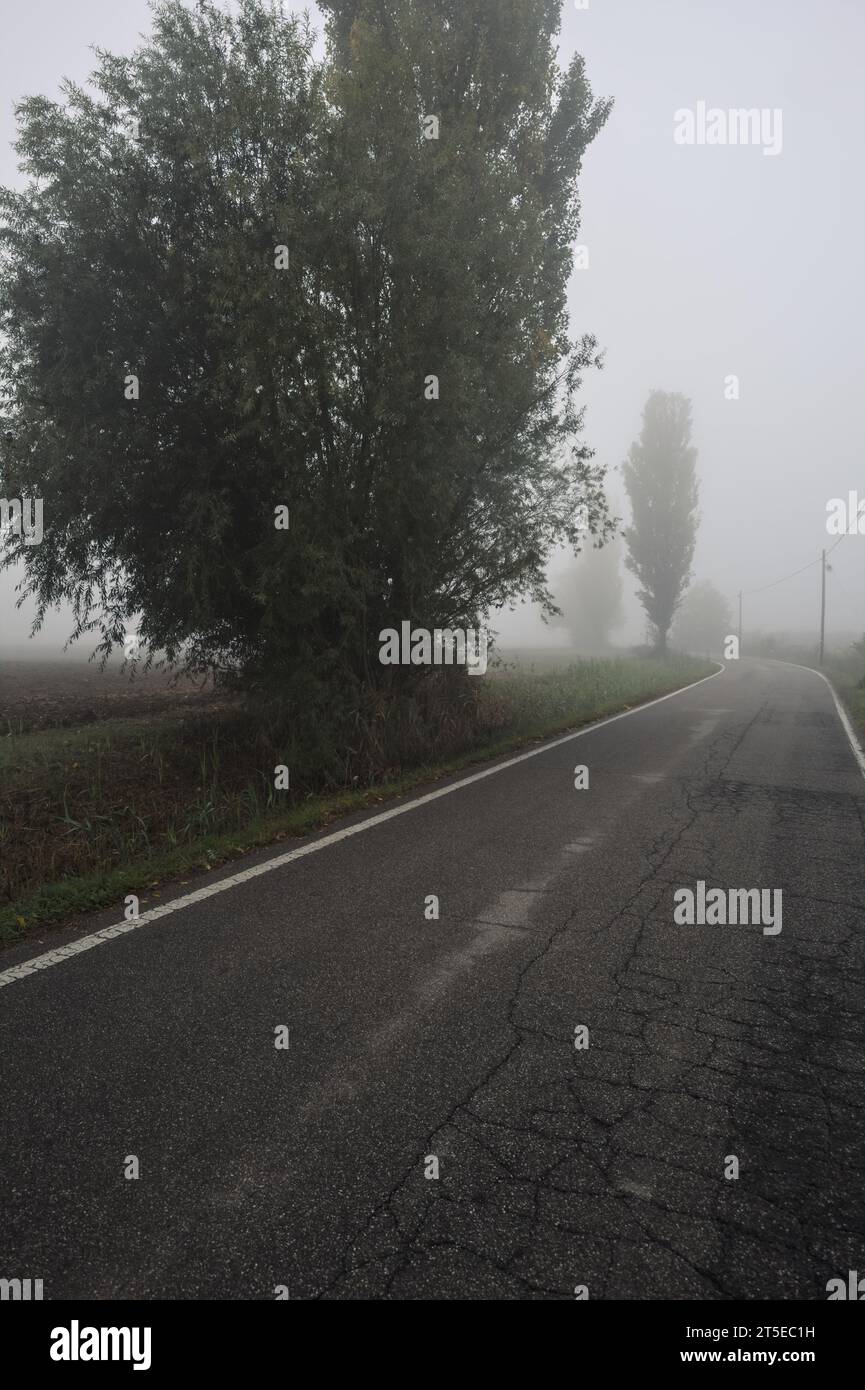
x,y
82,803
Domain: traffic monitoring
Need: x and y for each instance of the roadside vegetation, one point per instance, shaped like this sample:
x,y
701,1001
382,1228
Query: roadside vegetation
x,y
93,811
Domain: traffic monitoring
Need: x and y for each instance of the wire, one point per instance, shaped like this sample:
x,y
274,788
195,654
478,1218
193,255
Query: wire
x,y
785,577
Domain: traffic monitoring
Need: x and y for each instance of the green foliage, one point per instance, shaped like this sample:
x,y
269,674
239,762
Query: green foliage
x,y
259,387
88,814
662,487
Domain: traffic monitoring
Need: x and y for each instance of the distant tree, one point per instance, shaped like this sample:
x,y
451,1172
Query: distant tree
x,y
703,619
589,594
662,488
859,649
241,279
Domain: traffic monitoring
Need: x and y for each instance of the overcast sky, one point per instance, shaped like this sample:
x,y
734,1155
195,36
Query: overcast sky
x,y
705,261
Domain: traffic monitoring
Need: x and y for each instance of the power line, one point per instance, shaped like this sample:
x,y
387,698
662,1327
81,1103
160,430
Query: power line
x,y
763,587
785,577
820,560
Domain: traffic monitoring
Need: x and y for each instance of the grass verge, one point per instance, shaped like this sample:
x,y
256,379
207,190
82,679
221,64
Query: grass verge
x,y
90,814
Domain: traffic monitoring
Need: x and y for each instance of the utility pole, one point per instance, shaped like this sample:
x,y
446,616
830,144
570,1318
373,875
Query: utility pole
x,y
740,622
823,609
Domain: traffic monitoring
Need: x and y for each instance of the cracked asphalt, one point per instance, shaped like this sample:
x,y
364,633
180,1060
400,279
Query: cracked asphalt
x,y
602,1167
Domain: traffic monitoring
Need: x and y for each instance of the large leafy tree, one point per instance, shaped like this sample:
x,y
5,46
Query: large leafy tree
x,y
145,245
660,478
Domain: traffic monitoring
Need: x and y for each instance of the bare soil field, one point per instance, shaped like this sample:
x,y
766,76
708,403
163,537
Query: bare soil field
x,y
58,693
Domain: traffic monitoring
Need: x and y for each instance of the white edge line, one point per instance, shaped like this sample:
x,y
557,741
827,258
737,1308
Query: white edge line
x,y
858,754
86,943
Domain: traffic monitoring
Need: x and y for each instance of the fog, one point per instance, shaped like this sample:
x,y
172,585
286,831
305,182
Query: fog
x,y
705,262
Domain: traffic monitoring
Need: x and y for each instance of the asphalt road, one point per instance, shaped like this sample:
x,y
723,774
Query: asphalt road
x,y
602,1167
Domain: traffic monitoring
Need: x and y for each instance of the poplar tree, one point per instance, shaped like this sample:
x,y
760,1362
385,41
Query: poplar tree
x,y
662,489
